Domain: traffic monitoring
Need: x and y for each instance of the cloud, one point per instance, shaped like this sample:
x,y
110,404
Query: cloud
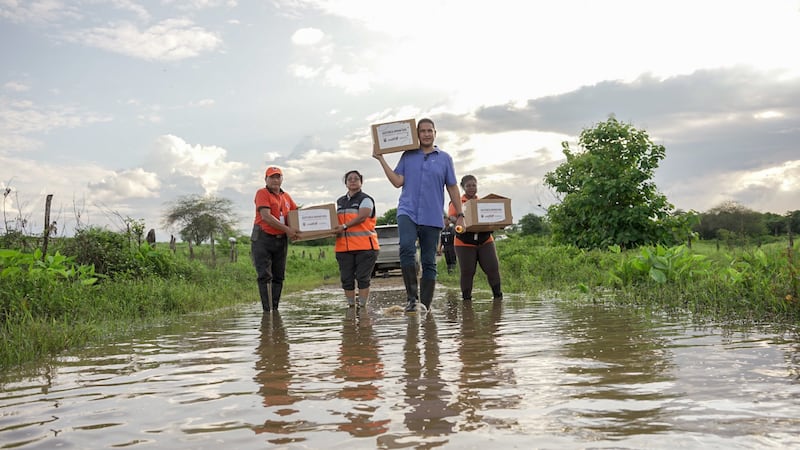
x,y
19,118
169,40
37,11
133,183
16,86
174,159
307,36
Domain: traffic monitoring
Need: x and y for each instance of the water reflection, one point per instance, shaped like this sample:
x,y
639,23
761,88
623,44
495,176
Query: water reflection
x,y
273,374
360,367
518,374
427,392
483,383
623,370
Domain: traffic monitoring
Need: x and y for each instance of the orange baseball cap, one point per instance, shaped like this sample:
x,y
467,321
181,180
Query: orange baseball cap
x,y
273,171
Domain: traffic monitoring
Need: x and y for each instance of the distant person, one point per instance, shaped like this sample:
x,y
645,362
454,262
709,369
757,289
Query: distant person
x,y
446,246
475,248
356,240
423,174
269,243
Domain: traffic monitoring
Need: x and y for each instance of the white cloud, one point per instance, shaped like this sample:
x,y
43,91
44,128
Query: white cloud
x,y
169,40
22,117
783,178
202,103
15,86
303,71
37,11
174,157
307,36
132,183
353,82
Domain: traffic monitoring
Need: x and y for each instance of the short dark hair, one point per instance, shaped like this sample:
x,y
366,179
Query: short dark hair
x,y
425,120
466,178
360,177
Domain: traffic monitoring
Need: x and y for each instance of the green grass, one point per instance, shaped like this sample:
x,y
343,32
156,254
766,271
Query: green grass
x,y
49,307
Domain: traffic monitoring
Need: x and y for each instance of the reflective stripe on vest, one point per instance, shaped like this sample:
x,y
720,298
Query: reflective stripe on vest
x,y
361,236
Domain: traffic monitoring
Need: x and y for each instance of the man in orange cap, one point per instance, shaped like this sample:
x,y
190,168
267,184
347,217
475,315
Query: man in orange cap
x,y
269,243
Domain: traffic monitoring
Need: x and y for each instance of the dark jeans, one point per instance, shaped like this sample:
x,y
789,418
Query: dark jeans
x,y
269,258
428,241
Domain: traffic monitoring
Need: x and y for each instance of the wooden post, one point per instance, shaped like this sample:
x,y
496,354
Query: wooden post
x,y
47,203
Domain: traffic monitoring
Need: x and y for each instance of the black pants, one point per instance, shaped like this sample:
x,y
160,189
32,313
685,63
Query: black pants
x,y
450,255
484,255
269,258
356,266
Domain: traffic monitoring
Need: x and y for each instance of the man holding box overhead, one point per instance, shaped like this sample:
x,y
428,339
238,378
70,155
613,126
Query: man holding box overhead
x,y
269,240
424,174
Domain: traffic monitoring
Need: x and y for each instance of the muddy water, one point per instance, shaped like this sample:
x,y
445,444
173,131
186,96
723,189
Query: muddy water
x,y
525,373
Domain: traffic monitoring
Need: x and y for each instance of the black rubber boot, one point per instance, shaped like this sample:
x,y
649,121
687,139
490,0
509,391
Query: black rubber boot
x,y
426,289
276,294
497,293
266,300
410,280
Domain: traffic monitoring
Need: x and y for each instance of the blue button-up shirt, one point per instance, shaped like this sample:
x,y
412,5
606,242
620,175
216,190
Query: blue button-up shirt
x,y
424,180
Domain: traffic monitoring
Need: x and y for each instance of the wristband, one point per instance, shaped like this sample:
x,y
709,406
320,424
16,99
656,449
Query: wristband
x,y
459,215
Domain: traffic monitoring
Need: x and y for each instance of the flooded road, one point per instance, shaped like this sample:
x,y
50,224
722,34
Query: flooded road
x,y
524,373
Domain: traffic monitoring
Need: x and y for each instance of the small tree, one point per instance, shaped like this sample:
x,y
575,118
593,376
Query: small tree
x,y
200,218
608,196
531,224
389,218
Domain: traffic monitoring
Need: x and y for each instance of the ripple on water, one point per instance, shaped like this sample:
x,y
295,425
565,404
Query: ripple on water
x,y
524,372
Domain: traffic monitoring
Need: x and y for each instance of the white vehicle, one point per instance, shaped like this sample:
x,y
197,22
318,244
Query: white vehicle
x,y
389,254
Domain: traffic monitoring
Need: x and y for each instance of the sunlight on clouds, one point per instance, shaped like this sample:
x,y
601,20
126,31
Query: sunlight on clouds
x,y
519,50
502,147
352,83
768,115
169,40
303,71
134,183
207,164
307,36
785,177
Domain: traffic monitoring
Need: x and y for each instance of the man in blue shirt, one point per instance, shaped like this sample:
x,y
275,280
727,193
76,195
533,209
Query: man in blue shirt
x,y
423,174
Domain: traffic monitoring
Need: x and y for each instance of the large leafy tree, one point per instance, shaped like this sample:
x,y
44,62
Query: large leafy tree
x,y
607,193
200,218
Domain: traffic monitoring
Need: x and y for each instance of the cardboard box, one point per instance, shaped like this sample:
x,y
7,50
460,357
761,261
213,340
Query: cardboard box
x,y
397,136
489,213
314,222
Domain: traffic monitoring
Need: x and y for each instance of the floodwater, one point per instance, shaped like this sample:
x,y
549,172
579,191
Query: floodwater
x,y
524,373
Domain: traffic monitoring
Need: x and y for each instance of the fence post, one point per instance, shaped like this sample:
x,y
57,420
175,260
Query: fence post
x,y
47,203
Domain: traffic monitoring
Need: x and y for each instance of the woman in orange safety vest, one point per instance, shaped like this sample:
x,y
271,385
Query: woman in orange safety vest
x,y
356,240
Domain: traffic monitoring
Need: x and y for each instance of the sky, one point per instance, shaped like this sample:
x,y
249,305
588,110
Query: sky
x,y
119,107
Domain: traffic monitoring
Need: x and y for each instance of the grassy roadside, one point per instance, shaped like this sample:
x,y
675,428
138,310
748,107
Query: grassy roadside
x,y
44,314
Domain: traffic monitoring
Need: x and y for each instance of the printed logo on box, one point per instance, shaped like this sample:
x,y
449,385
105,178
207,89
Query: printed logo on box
x,y
314,219
394,135
491,212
